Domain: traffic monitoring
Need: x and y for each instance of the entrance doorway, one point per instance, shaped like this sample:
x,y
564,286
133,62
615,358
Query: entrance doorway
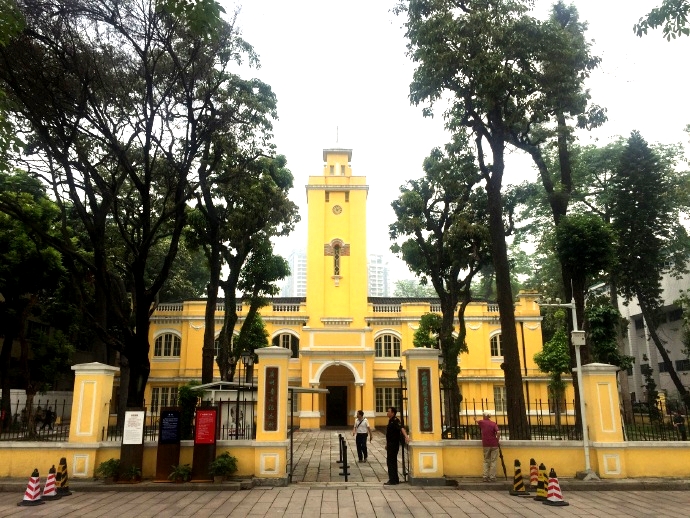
x,y
336,406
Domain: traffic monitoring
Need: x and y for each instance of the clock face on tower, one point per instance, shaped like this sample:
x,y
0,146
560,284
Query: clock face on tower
x,y
337,209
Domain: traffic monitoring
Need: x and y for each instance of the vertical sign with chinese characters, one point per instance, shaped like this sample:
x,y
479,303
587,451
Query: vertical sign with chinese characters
x,y
271,403
425,421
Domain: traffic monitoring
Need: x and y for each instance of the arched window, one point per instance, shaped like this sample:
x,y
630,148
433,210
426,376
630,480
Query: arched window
x,y
167,344
336,260
387,346
496,345
287,341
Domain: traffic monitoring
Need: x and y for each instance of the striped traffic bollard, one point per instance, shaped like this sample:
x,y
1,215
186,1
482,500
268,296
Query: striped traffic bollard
x,y
555,497
50,489
32,495
63,486
533,475
518,483
541,484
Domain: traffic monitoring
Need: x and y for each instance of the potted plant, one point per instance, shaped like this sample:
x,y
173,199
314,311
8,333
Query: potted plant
x,y
224,466
131,474
108,470
181,473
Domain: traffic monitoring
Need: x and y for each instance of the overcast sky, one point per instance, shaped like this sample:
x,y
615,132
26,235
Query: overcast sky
x,y
339,70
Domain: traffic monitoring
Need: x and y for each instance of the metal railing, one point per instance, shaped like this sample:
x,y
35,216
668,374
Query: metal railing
x,y
547,420
51,419
655,421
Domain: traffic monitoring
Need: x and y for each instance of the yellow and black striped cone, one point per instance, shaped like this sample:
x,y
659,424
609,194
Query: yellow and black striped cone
x,y
50,489
533,475
518,483
63,486
541,484
32,495
555,497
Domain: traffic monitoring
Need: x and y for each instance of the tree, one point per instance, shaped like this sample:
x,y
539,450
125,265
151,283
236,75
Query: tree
x,y
442,219
119,101
602,323
554,359
644,221
672,15
486,56
238,208
410,288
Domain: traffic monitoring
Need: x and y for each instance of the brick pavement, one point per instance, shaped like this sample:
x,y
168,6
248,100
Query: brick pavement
x,y
319,491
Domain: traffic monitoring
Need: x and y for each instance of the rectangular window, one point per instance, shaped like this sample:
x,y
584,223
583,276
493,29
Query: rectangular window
x,y
674,315
683,365
347,196
500,398
662,367
331,170
387,397
496,346
639,323
155,398
342,170
328,196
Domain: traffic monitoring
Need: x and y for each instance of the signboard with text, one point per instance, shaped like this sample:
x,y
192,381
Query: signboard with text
x,y
205,426
425,418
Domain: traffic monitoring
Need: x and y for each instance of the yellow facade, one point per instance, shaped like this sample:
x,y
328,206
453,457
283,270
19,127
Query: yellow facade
x,y
347,342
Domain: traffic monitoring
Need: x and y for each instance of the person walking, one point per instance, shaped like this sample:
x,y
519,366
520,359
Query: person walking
x,y
394,431
679,423
361,430
490,436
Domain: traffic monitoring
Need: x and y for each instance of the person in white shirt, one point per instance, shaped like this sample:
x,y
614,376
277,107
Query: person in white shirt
x,y
361,430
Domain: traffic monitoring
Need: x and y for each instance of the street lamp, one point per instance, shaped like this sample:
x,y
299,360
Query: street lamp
x,y
577,337
248,362
401,377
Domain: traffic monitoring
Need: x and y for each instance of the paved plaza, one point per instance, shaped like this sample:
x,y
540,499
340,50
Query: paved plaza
x,y
318,490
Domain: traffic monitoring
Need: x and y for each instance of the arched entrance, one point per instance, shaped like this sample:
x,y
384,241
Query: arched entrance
x,y
339,403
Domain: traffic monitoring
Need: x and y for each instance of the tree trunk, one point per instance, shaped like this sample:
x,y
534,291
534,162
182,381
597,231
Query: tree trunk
x,y
651,326
517,413
208,350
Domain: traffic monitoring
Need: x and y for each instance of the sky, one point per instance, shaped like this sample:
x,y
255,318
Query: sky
x,y
341,76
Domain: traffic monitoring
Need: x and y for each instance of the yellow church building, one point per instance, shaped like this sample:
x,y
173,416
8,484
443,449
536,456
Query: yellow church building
x,y
341,339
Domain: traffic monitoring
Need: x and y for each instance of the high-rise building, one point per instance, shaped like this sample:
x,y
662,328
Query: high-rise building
x,y
295,285
378,276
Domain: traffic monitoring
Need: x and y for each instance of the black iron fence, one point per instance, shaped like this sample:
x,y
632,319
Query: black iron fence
x,y
657,421
556,420
44,420
236,418
546,420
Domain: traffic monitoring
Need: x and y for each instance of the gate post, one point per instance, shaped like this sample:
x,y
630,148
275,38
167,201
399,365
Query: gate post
x,y
93,389
270,454
424,417
602,406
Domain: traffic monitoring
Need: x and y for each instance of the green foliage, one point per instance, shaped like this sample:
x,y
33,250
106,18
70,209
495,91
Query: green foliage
x,y
181,473
252,336
409,288
649,383
671,15
188,400
643,221
603,321
426,335
683,302
202,17
585,245
554,358
108,469
224,465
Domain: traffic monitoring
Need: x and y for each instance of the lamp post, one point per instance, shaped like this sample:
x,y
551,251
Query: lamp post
x,y
577,337
401,377
248,361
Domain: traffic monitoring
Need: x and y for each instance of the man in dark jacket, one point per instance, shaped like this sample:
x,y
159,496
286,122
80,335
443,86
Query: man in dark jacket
x,y
393,433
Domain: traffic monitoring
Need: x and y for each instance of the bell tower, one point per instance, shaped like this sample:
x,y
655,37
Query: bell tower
x,y
336,244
